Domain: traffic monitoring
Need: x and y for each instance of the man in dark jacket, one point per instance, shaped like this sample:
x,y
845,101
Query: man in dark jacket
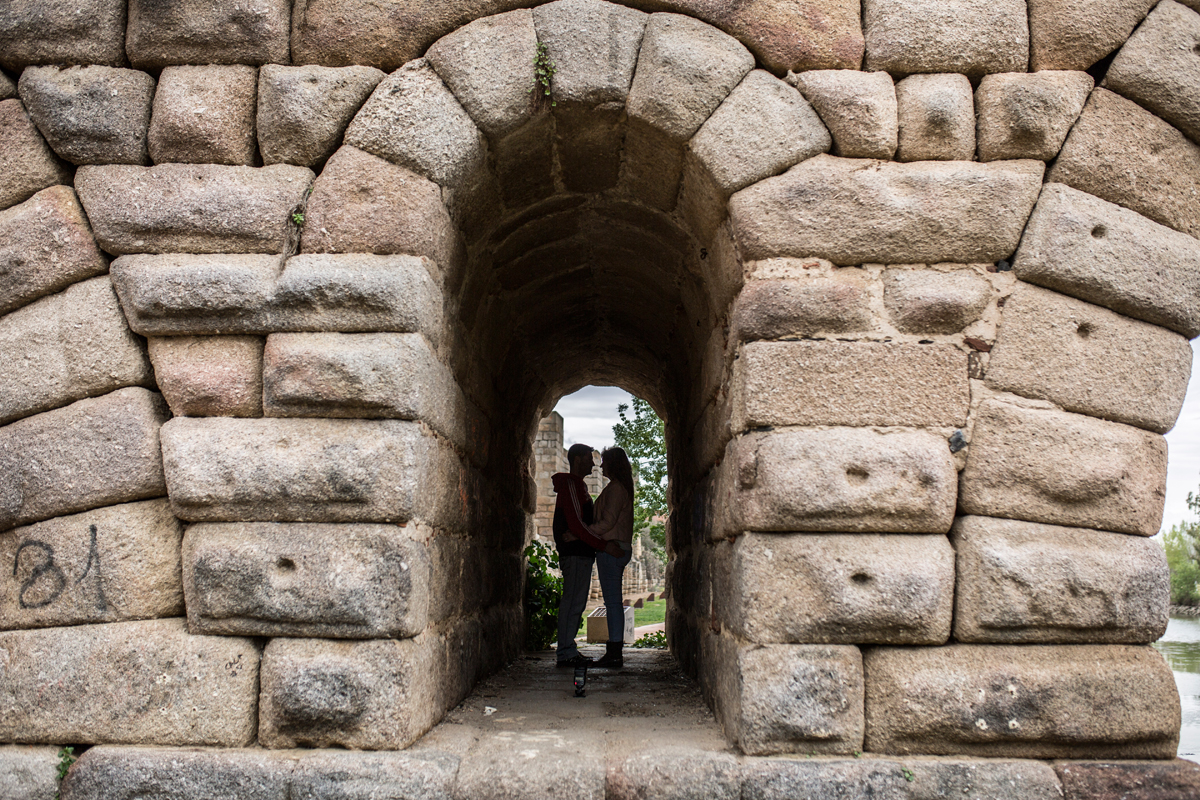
x,y
573,506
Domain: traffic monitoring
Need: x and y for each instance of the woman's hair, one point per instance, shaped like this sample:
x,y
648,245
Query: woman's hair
x,y
618,465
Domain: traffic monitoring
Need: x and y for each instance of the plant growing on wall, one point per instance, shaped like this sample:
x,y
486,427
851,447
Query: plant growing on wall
x,y
543,72
543,589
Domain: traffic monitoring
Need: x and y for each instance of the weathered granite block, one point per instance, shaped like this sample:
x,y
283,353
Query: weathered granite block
x,y
1122,153
162,773
108,565
92,453
191,208
1129,780
28,773
793,303
8,87
1049,466
65,347
1031,701
334,775
819,34
209,376
62,32
367,695
1077,36
169,295
932,301
1090,360
27,164
205,115
570,771
973,37
145,682
328,581
1028,115
1100,252
936,116
849,383
858,108
201,32
91,115
1023,582
675,770
852,211
305,470
594,46
303,111
838,479
851,588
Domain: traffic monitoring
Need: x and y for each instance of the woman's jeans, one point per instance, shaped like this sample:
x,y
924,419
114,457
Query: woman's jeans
x,y
610,571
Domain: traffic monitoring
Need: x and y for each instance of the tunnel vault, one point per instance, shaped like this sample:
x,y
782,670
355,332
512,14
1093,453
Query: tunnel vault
x,y
297,407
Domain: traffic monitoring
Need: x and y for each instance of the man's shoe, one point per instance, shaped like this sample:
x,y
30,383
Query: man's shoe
x,y
612,658
578,660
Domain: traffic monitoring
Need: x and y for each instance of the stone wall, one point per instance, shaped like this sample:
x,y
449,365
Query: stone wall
x,y
912,293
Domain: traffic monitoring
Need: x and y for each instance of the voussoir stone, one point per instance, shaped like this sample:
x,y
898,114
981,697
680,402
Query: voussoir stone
x,y
1122,153
973,37
65,347
931,301
45,246
1024,582
91,115
202,32
110,772
1050,466
27,164
936,117
841,588
1098,251
368,695
1159,67
838,479
850,383
858,108
594,46
1028,115
94,452
28,772
209,376
800,304
311,580
303,111
310,470
107,565
1129,780
62,32
853,211
1077,34
1030,701
1090,360
191,208
144,682
205,115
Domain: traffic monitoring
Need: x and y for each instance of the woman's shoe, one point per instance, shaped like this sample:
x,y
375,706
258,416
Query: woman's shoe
x,y
612,658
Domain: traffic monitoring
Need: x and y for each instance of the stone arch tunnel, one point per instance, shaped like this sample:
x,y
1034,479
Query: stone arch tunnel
x,y
287,287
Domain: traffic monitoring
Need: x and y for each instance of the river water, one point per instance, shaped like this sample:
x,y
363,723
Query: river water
x,y
1181,646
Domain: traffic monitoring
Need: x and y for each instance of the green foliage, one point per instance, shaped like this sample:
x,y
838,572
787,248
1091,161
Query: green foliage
x,y
908,774
543,71
656,640
66,757
1182,544
643,438
543,589
298,218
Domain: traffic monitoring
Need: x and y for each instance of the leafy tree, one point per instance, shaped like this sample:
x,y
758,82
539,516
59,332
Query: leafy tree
x,y
1182,544
643,438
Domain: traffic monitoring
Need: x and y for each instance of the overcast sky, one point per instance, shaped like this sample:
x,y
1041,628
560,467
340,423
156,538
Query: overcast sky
x,y
590,413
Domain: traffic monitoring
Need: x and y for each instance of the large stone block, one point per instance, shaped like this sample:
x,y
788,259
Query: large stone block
x,y
850,383
838,479
564,768
1024,115
191,208
27,164
108,565
65,347
858,108
974,37
306,470
163,773
205,115
675,770
28,773
1122,153
92,453
1031,701
145,682
364,204
91,115
8,87
303,111
1049,466
45,246
936,118
328,581
594,46
1023,582
1095,250
209,376
1129,780
932,301
62,32
413,120
1158,68
333,775
799,301
1078,34
852,211
367,695
814,34
171,295
202,32
1090,360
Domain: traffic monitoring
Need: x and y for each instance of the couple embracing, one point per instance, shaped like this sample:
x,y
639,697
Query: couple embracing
x,y
587,533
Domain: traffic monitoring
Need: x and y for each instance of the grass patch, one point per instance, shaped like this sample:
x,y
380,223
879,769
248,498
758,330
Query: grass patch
x,y
652,612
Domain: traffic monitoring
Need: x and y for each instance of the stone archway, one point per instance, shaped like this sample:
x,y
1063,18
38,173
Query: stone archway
x,y
895,469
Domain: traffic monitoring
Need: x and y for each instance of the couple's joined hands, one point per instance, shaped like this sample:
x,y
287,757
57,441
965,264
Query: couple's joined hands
x,y
614,549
